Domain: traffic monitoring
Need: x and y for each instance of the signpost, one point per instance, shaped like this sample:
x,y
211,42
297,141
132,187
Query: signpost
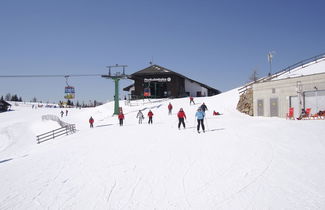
x,y
116,77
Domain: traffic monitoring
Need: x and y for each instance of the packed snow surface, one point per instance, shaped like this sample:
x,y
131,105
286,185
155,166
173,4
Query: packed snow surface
x,y
241,162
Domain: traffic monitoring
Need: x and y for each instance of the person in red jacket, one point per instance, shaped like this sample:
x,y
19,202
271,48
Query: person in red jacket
x,y
150,114
91,122
181,116
170,108
191,100
121,117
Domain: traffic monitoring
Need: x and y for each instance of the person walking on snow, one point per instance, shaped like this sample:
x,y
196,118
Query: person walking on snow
x,y
121,118
200,117
140,116
91,122
204,107
181,116
170,108
150,114
191,100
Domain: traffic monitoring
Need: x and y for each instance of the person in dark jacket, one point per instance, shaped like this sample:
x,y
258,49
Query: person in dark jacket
x,y
203,107
200,117
181,116
91,122
121,118
150,114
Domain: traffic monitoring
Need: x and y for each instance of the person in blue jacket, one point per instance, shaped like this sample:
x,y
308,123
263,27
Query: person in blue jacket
x,y
200,118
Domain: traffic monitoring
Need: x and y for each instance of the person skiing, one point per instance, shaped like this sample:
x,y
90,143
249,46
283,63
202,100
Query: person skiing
x,y
66,112
181,116
170,108
150,114
62,113
204,107
140,116
121,118
200,117
91,122
191,100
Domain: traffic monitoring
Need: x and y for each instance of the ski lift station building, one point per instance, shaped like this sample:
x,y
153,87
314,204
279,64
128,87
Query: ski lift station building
x,y
159,82
300,86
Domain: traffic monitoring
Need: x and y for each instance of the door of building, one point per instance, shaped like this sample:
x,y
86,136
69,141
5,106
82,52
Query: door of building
x,y
274,107
260,107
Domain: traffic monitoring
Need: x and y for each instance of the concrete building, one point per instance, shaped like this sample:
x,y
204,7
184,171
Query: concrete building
x,y
159,82
300,86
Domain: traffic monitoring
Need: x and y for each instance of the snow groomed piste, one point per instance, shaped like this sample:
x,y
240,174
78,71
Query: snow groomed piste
x,y
242,162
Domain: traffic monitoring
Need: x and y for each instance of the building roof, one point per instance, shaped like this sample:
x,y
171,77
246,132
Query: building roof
x,y
159,70
3,102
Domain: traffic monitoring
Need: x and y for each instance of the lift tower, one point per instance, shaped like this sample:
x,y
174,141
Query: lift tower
x,y
117,76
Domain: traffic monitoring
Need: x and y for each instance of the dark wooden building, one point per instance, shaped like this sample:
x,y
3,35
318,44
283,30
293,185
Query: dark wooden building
x,y
158,82
4,106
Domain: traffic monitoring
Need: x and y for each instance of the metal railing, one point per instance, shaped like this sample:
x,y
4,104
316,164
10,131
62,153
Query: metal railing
x,y
283,71
65,130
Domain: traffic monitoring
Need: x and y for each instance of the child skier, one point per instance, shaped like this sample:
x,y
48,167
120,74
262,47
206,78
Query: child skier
x,y
121,118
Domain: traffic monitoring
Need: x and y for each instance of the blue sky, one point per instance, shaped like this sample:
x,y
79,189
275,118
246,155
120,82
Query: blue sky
x,y
218,43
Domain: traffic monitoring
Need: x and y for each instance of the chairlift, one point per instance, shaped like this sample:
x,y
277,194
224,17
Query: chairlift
x,y
69,90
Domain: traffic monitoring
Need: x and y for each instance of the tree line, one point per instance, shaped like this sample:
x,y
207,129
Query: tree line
x,y
9,97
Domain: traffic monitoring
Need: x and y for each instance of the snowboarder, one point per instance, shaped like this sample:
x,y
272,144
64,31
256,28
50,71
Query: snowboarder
x,y
191,100
204,107
150,114
91,122
181,116
170,108
121,117
200,117
62,113
140,116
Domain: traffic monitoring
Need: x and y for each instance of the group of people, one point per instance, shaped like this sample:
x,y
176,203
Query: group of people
x,y
199,115
62,113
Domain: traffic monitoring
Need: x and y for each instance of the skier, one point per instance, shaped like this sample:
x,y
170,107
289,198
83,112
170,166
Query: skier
x,y
170,108
181,116
191,100
91,122
66,112
62,113
204,107
150,114
200,117
140,116
121,118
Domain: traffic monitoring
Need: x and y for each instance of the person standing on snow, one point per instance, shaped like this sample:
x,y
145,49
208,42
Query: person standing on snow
x,y
204,107
170,108
62,113
121,118
66,112
91,122
191,100
150,114
200,117
140,116
181,116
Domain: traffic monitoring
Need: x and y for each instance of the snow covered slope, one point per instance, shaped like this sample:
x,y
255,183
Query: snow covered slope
x,y
241,162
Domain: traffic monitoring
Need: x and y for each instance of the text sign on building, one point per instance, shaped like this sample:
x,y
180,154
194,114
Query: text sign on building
x,y
168,79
